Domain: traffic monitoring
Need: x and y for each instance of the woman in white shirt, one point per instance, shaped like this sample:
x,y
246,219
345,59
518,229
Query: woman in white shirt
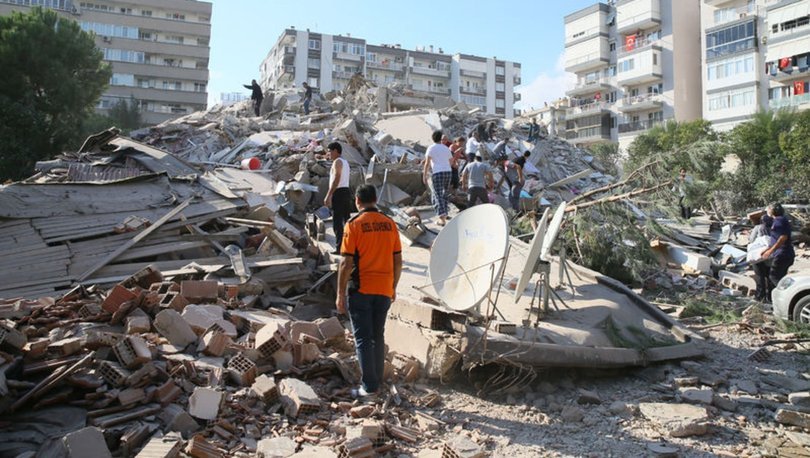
x,y
438,167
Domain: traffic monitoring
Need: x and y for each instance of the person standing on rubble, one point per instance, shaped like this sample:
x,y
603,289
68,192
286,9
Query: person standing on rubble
x,y
513,174
684,181
762,227
338,198
257,96
367,278
534,130
473,144
439,170
307,97
477,179
780,254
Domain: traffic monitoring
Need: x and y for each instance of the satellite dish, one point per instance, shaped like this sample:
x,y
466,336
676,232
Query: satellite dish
x,y
464,254
552,232
534,254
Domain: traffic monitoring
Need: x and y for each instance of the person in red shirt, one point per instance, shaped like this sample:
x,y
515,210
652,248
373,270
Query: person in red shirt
x,y
367,278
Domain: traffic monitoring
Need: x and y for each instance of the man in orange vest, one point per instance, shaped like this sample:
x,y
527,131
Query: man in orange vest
x,y
368,276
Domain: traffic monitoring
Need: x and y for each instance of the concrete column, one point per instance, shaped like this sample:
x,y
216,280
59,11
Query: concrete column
x,y
301,53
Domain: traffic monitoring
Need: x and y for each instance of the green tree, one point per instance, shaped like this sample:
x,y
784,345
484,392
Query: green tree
x,y
795,143
673,143
608,156
53,74
126,115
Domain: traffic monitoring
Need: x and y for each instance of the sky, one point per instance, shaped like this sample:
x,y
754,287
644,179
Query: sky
x,y
527,31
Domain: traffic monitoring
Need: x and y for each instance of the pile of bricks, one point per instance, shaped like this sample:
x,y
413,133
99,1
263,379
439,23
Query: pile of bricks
x,y
164,367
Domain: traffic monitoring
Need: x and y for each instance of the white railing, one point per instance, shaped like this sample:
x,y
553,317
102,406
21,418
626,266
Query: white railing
x,y
386,66
593,107
793,101
638,99
735,14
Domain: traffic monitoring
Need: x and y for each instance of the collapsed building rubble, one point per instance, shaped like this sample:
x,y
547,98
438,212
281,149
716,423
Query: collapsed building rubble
x,y
172,292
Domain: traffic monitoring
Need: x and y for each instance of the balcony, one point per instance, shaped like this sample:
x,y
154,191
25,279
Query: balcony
x,y
590,86
591,54
473,74
516,81
639,126
431,71
391,66
587,136
636,15
583,111
736,14
643,67
517,97
348,56
790,102
798,68
643,102
289,50
640,44
472,90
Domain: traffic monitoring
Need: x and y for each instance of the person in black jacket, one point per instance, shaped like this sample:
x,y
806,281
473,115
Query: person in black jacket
x,y
256,96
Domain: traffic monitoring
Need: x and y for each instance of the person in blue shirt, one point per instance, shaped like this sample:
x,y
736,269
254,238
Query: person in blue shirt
x,y
780,254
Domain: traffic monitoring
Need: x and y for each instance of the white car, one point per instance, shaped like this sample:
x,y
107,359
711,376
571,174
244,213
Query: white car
x,y
791,298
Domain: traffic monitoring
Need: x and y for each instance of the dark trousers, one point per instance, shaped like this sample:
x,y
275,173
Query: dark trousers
x,y
257,106
779,268
341,212
306,106
368,313
761,272
454,181
686,212
477,196
514,195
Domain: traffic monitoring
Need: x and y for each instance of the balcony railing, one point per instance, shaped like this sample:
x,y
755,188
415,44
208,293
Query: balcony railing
x,y
639,45
639,99
430,71
638,126
737,13
594,107
473,74
588,58
385,66
786,102
592,83
472,90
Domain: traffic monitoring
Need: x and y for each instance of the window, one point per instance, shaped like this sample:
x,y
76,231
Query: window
x,y
500,103
94,6
655,58
126,10
176,16
174,39
146,36
612,46
730,40
173,85
500,71
626,65
730,67
732,99
313,63
474,100
357,49
313,82
147,13
371,57
123,55
205,19
500,87
203,41
314,44
199,87
144,83
110,30
122,79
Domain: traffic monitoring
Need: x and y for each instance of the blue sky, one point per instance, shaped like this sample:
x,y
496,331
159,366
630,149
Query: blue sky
x,y
526,31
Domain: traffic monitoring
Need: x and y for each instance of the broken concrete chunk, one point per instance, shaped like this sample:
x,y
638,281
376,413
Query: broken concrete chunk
x,y
132,352
800,399
67,347
679,420
697,396
330,328
10,336
298,397
138,322
177,419
173,327
204,403
168,446
277,447
198,447
792,417
463,447
85,443
201,317
214,343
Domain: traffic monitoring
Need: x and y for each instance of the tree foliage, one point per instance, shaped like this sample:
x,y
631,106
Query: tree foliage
x,y
53,74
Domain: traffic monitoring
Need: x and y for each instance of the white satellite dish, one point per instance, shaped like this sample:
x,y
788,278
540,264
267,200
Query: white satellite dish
x,y
535,247
552,232
464,255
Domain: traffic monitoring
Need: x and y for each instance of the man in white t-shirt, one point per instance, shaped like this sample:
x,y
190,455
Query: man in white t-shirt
x,y
472,146
439,169
338,197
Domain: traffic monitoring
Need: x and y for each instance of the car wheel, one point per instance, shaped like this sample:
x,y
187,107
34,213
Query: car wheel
x,y
801,314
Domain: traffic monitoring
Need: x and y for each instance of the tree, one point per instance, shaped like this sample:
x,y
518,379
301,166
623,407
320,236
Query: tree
x,y
795,143
126,115
53,75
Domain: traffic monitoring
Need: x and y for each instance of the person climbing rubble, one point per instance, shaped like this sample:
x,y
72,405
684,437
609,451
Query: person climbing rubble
x,y
438,171
257,96
338,198
513,174
477,180
367,278
307,97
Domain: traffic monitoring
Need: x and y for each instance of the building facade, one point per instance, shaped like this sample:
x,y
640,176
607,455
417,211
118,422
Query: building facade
x,y
327,62
628,76
158,50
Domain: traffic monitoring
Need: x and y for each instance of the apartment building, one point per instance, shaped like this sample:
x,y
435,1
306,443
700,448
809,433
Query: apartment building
x,y
628,77
158,50
327,62
787,53
552,116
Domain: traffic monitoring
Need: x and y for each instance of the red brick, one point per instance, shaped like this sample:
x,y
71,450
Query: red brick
x,y
116,297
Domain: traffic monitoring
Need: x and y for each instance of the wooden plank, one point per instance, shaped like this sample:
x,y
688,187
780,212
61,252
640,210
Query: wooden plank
x,y
135,240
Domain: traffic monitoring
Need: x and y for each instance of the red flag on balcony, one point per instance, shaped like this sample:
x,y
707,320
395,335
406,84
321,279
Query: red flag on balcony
x,y
785,62
630,42
597,96
798,87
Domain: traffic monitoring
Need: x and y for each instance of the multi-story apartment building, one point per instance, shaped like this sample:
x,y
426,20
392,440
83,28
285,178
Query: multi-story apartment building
x,y
628,75
735,84
158,50
552,116
327,62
